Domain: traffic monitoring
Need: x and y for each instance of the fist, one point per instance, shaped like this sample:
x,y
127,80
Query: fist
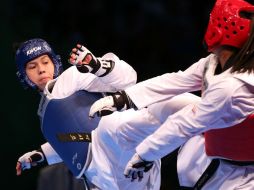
x,y
84,60
136,167
28,160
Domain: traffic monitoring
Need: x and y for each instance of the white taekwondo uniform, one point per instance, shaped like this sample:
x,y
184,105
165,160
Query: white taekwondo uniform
x,y
117,135
227,100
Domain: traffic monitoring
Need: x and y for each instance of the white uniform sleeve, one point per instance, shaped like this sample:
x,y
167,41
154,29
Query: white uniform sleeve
x,y
224,105
51,155
122,75
71,80
168,85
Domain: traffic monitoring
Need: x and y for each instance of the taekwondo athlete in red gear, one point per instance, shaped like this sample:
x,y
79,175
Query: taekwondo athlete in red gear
x,y
224,115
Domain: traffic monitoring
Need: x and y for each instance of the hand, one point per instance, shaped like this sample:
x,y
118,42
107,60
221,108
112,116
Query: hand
x,y
86,62
29,159
107,105
136,167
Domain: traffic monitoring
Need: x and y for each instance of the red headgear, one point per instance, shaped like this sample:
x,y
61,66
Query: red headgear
x,y
226,26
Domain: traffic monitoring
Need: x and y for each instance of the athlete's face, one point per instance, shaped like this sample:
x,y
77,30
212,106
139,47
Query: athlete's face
x,y
40,71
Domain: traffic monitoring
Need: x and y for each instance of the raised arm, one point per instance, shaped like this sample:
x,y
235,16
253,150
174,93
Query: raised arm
x,y
109,68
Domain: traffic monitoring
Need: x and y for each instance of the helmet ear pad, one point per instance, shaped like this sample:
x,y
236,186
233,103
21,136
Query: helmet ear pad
x,y
58,67
25,81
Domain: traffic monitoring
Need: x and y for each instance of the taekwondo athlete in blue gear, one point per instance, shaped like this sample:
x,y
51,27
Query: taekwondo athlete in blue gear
x,y
28,51
65,85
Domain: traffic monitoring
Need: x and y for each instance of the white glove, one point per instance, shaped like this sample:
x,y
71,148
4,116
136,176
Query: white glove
x,y
103,106
86,62
107,105
136,167
29,159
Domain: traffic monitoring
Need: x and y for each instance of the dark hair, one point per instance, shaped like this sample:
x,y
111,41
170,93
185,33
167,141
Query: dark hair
x,y
244,58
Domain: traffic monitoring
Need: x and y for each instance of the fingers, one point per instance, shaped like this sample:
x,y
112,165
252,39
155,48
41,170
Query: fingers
x,y
102,107
136,167
87,59
74,57
79,46
127,172
134,174
80,55
137,175
96,107
140,175
18,168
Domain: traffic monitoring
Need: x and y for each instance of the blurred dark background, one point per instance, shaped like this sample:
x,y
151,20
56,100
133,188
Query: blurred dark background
x,y
154,37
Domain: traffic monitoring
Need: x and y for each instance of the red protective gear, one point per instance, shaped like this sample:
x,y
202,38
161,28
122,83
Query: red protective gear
x,y
233,143
227,26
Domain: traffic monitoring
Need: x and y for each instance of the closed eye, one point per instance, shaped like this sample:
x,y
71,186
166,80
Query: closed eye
x,y
31,66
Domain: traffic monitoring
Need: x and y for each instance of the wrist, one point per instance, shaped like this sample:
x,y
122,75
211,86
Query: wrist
x,y
122,101
93,66
105,67
38,157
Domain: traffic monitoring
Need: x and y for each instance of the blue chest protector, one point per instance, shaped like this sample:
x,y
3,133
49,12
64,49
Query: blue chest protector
x,y
67,127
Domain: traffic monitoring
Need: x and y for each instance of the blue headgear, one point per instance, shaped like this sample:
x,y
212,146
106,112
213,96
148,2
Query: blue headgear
x,y
30,50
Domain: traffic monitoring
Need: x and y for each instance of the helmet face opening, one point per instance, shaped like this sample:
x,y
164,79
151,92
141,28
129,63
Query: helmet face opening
x,y
30,50
229,24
